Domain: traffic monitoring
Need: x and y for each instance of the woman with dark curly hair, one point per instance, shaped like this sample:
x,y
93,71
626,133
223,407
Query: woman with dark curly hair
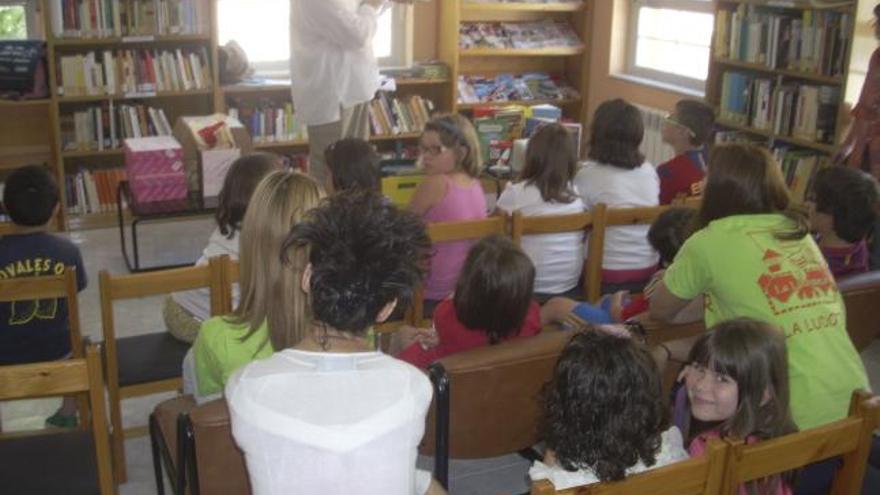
x,y
604,414
617,175
332,415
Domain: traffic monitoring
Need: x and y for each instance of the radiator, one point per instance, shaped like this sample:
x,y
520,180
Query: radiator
x,y
655,151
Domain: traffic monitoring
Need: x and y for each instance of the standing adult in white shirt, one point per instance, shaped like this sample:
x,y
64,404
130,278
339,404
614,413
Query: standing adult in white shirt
x,y
333,70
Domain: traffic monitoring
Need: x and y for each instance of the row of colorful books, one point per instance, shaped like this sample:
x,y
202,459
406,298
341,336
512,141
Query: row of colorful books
x,y
789,109
390,115
133,72
269,121
513,87
545,33
92,191
811,41
105,126
106,18
798,165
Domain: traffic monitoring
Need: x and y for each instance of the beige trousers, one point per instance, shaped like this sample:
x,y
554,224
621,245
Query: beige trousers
x,y
354,122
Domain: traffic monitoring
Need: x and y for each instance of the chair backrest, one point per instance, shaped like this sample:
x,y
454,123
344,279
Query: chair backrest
x,y
849,438
486,399
454,231
861,294
218,462
521,225
699,476
604,217
67,377
49,287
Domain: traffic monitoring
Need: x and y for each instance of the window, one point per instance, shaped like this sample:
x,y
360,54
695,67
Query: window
x,y
669,41
17,19
248,21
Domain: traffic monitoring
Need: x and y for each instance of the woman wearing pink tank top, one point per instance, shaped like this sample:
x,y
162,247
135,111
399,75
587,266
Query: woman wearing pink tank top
x,y
450,155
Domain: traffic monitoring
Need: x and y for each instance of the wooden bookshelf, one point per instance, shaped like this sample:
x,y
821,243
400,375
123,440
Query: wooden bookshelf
x,y
794,74
92,153
113,41
570,63
135,96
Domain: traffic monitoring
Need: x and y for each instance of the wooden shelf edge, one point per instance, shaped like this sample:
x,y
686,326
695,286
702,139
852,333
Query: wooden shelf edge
x,y
253,88
92,153
523,7
135,96
280,144
25,103
303,143
468,106
129,40
781,72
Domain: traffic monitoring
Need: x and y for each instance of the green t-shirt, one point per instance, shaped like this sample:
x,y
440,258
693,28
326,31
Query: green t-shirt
x,y
745,271
218,351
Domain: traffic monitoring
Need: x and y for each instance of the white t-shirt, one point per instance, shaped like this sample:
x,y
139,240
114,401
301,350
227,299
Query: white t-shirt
x,y
313,422
626,248
558,258
331,57
671,450
198,301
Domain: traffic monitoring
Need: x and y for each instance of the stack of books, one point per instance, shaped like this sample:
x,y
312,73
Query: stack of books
x,y
105,18
810,41
547,33
513,87
392,115
133,72
92,191
269,121
799,167
799,110
105,126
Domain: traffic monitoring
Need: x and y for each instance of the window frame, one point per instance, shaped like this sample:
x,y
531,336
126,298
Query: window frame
x,y
665,78
32,30
401,46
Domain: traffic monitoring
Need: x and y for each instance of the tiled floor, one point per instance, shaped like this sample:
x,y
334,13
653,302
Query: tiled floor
x,y
183,241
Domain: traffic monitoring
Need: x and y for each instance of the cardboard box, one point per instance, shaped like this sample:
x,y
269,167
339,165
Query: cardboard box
x,y
194,148
155,169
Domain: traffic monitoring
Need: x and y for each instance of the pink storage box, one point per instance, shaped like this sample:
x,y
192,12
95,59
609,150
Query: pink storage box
x,y
155,169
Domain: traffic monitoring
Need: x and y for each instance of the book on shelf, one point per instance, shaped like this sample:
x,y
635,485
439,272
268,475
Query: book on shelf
x,y
137,18
803,111
104,127
513,87
133,72
269,121
392,115
92,191
546,33
431,69
809,41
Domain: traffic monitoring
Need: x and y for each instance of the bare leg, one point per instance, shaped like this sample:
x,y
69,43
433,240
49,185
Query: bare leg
x,y
556,310
435,489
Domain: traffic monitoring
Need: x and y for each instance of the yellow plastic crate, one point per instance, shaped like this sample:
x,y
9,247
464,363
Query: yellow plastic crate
x,y
400,188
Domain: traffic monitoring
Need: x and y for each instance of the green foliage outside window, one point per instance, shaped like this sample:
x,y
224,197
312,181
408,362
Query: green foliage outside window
x,y
13,24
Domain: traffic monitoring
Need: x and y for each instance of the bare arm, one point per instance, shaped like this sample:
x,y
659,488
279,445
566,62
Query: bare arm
x,y
429,192
665,306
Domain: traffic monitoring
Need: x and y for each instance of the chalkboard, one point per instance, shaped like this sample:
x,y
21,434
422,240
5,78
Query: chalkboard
x,y
19,60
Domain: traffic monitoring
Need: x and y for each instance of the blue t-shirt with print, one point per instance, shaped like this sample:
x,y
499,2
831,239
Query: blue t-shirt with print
x,y
32,331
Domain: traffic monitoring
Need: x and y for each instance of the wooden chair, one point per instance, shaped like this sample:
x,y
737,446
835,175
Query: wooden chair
x,y
552,224
849,438
485,399
861,294
603,218
72,461
702,475
150,363
449,232
53,287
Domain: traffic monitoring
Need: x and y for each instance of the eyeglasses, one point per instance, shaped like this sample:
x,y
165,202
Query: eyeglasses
x,y
431,150
671,119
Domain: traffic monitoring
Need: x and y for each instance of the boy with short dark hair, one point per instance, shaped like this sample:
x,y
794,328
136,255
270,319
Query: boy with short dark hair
x,y
33,331
688,130
846,211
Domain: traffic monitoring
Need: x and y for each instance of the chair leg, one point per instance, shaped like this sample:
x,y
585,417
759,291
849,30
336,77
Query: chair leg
x,y
182,452
157,459
118,438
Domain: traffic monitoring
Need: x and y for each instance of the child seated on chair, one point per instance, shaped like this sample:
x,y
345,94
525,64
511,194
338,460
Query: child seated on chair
x,y
33,331
666,235
604,414
845,214
688,130
185,311
492,303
